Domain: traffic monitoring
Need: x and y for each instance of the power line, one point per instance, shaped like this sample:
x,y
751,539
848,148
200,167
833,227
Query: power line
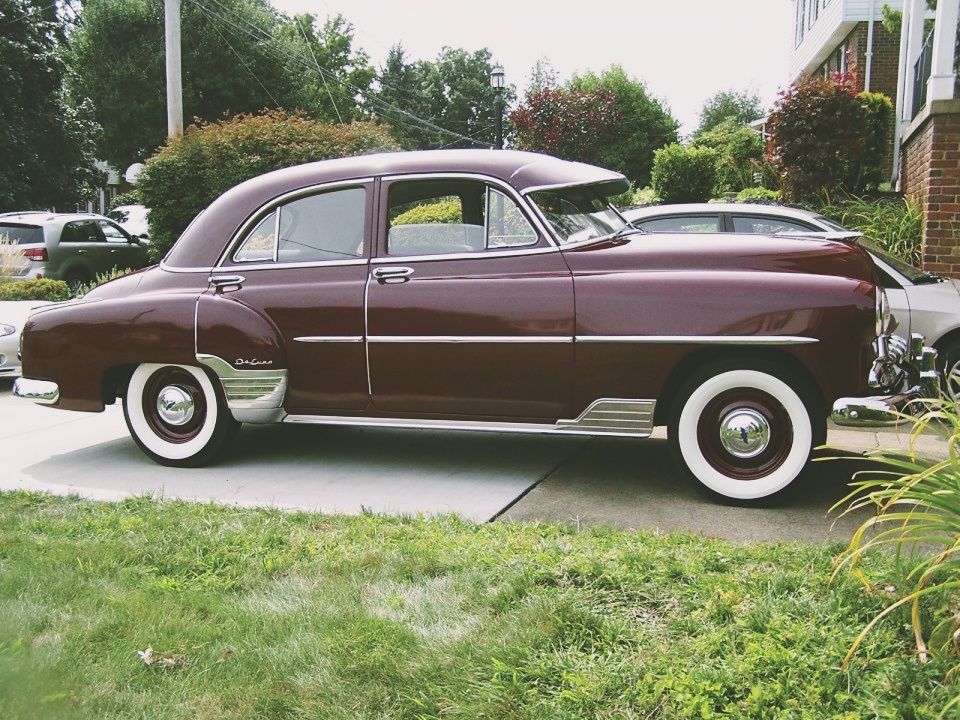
x,y
33,11
317,63
261,35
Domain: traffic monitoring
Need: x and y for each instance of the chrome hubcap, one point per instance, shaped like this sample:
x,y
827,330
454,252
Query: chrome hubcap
x,y
744,433
175,405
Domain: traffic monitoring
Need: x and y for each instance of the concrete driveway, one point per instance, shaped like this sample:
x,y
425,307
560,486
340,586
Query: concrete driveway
x,y
622,482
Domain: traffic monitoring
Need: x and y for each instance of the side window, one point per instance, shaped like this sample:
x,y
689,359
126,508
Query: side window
x,y
768,225
111,232
683,224
81,231
326,226
437,217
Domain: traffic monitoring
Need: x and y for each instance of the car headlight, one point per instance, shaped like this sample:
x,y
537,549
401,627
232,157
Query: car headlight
x,y
884,316
7,330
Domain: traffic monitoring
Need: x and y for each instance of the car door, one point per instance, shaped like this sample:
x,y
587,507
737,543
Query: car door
x,y
469,306
301,263
80,254
122,251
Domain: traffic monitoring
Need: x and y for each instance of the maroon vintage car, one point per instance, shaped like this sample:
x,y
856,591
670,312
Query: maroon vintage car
x,y
480,290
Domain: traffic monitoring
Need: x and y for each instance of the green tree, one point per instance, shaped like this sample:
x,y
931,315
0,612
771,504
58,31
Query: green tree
x,y
337,75
739,153
45,141
231,58
646,124
740,106
452,94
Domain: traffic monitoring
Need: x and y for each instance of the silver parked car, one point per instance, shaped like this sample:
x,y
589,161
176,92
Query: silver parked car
x,y
13,316
74,247
922,302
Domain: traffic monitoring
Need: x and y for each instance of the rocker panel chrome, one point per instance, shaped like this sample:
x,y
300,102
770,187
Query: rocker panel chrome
x,y
618,415
253,396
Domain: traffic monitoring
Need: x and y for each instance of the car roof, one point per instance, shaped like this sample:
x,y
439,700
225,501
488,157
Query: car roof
x,y
202,242
36,217
746,208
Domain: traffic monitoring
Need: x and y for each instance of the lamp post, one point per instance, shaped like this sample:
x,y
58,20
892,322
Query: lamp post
x,y
497,81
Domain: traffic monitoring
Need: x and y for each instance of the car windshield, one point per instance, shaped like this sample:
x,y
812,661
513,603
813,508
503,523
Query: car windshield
x,y
21,234
578,213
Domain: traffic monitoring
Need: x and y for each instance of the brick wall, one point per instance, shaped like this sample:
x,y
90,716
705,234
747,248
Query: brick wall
x,y
930,173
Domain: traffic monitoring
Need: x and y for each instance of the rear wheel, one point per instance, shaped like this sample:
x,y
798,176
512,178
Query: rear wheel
x,y
176,416
744,433
76,281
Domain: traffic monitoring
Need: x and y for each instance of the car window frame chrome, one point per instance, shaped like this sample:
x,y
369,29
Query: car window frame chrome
x,y
365,183
562,246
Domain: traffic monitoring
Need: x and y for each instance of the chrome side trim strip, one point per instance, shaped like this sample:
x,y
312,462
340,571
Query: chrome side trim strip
x,y
619,415
526,339
699,339
248,389
329,338
482,255
175,269
467,425
281,265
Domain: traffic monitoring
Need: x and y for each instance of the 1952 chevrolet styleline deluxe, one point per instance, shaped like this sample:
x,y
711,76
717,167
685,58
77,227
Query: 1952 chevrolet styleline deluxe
x,y
481,290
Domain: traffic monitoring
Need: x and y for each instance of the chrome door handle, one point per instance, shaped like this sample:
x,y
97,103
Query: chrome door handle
x,y
392,274
227,282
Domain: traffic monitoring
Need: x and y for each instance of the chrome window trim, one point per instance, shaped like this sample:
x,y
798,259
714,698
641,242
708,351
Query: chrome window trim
x,y
699,339
527,339
329,338
560,186
462,256
276,266
509,191
265,209
176,269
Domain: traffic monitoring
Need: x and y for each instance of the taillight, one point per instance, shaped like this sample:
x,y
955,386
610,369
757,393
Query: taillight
x,y
37,254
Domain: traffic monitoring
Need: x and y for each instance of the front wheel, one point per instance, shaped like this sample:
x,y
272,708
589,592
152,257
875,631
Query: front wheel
x,y
176,416
745,434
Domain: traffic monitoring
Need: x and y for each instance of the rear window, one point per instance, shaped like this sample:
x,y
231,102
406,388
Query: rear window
x,y
22,234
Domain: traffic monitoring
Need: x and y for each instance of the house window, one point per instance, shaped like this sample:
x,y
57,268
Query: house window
x,y
801,20
814,11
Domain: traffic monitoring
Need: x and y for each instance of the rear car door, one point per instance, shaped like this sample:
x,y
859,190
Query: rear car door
x,y
123,252
81,253
469,306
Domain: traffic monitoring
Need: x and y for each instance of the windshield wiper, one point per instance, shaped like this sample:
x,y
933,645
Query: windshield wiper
x,y
628,229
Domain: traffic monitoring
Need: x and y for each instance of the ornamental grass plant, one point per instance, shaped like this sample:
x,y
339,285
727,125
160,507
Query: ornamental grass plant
x,y
917,516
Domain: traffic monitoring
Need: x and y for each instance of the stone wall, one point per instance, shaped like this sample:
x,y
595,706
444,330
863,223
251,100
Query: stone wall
x,y
930,174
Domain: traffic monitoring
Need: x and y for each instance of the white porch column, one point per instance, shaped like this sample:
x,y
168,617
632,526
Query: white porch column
x,y
914,31
942,74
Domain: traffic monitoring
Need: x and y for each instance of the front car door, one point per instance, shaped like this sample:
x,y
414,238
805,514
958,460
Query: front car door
x,y
469,305
301,263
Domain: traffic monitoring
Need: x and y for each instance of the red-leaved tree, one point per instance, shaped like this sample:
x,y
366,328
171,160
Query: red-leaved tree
x,y
571,124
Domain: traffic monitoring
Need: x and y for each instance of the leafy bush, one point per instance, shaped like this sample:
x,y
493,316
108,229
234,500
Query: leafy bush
x,y
101,279
645,196
896,225
684,174
190,172
739,152
915,510
35,289
825,137
131,197
444,211
758,194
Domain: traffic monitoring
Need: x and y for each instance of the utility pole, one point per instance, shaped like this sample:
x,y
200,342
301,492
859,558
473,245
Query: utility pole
x,y
171,27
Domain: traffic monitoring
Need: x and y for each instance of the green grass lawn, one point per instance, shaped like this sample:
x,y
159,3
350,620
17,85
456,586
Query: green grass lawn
x,y
264,614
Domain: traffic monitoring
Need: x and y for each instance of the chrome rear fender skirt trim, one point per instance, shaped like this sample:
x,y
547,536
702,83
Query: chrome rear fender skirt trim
x,y
248,389
329,338
470,339
699,339
632,418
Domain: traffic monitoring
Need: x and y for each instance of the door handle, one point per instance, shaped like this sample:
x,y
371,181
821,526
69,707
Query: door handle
x,y
392,274
226,283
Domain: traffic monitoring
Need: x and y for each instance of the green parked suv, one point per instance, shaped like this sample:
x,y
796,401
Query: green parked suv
x,y
74,247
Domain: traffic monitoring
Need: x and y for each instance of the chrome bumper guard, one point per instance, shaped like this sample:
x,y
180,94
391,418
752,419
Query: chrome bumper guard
x,y
42,392
911,367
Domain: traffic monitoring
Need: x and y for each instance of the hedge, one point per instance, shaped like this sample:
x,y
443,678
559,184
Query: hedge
x,y
35,289
444,211
190,172
684,174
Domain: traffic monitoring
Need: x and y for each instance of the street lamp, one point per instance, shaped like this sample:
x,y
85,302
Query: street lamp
x,y
497,82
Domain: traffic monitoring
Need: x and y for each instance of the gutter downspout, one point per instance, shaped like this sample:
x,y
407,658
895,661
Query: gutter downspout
x,y
866,77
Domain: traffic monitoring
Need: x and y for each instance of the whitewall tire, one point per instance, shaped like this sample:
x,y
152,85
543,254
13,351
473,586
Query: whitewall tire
x,y
744,434
176,416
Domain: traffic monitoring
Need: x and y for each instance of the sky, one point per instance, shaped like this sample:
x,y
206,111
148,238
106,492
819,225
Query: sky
x,y
684,50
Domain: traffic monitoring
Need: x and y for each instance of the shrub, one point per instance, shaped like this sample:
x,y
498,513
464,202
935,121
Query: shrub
x,y
101,279
190,172
444,211
758,195
645,196
35,289
825,137
739,151
895,225
131,197
684,174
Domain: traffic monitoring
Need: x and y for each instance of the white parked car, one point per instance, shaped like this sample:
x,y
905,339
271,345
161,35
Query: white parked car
x,y
922,302
133,219
13,316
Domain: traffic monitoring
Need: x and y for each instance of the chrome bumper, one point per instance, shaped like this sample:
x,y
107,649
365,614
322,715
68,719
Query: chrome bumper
x,y
42,392
911,366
